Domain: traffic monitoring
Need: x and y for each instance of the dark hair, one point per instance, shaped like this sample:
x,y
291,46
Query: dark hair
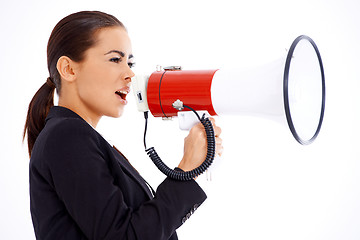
x,y
71,37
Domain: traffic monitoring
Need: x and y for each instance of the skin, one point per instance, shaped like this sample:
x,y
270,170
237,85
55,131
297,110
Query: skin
x,y
88,88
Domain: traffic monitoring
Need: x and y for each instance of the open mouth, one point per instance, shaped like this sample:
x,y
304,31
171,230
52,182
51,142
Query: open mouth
x,y
122,94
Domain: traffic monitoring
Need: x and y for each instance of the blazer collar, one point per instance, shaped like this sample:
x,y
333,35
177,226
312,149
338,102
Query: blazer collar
x,y
58,111
62,112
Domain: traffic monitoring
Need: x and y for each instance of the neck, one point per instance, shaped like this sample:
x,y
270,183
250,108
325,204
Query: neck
x,y
72,102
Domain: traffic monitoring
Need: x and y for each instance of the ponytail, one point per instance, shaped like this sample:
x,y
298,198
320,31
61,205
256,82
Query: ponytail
x,y
39,107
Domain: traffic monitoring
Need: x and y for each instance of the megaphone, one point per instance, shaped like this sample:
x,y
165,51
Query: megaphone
x,y
290,89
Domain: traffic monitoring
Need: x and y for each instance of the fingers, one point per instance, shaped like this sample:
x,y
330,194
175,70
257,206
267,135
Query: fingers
x,y
218,146
217,129
218,141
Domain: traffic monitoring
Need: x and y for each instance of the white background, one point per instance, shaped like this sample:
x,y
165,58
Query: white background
x,y
267,185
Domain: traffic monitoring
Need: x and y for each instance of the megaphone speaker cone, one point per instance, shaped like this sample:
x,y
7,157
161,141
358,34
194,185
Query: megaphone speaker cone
x,y
304,90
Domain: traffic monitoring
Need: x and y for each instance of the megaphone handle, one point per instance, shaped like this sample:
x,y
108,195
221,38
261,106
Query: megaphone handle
x,y
186,121
210,171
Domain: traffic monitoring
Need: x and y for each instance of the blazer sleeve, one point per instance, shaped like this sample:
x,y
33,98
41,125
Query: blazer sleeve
x,y
82,180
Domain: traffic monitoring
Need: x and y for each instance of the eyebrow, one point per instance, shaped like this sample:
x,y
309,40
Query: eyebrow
x,y
122,54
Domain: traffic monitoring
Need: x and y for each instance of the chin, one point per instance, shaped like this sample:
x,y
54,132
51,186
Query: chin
x,y
114,115
115,112
118,114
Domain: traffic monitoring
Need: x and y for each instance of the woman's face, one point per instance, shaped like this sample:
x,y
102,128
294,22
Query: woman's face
x,y
104,76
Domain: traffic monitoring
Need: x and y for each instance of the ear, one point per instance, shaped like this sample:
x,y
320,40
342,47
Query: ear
x,y
65,67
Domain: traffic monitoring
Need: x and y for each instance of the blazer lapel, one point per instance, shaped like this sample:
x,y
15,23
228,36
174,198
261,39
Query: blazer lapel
x,y
57,111
124,162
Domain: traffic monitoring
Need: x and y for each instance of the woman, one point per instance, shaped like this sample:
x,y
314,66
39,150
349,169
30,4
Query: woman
x,y
80,186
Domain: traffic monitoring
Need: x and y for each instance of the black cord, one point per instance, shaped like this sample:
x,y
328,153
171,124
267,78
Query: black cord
x,y
146,114
189,175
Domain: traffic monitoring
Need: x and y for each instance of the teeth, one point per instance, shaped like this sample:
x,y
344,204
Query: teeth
x,y
123,92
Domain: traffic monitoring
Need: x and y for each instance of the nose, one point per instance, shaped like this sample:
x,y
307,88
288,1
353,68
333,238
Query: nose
x,y
129,74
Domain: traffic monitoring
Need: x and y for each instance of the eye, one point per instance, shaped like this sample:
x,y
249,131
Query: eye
x,y
131,64
115,59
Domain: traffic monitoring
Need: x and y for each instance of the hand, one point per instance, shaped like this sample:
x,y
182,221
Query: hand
x,y
195,146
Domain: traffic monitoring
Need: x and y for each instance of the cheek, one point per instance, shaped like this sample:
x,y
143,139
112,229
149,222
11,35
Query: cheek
x,y
92,87
96,89
89,83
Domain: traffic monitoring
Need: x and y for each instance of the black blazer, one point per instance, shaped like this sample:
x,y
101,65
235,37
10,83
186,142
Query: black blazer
x,y
83,188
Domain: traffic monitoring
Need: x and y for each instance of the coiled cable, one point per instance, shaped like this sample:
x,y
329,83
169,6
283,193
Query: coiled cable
x,y
189,175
